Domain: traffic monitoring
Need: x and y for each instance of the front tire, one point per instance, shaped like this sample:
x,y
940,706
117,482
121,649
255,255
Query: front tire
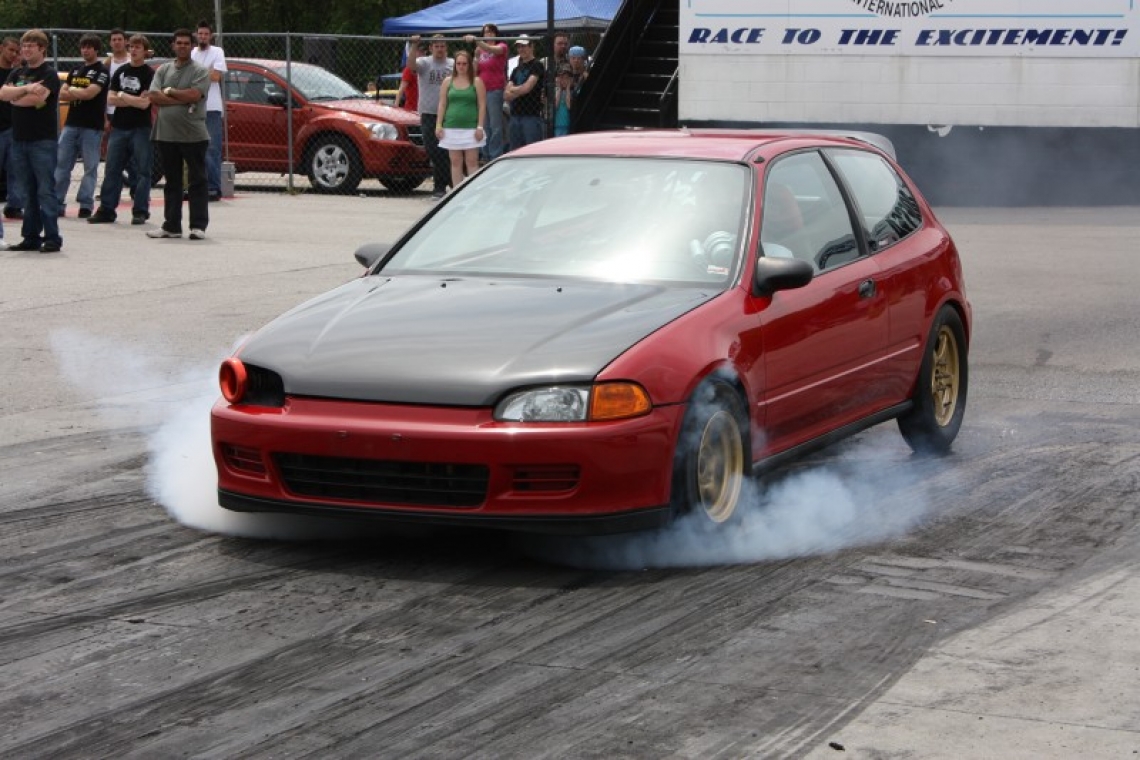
x,y
713,456
939,402
333,165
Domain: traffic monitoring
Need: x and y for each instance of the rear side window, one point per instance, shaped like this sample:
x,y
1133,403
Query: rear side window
x,y
804,214
887,207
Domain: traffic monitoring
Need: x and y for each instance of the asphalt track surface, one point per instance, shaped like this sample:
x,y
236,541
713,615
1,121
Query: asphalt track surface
x,y
874,605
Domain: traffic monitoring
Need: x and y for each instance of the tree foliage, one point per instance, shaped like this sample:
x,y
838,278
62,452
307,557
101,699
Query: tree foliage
x,y
299,16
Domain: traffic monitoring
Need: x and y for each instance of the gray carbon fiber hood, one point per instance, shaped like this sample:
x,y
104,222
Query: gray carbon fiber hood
x,y
458,341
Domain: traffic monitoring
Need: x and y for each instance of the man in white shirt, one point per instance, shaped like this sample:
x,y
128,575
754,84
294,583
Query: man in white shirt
x,y
117,59
213,58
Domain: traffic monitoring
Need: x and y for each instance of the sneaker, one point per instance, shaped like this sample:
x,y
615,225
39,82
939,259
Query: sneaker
x,y
161,233
50,247
197,234
13,213
140,217
25,245
102,216
3,245
215,197
84,213
438,195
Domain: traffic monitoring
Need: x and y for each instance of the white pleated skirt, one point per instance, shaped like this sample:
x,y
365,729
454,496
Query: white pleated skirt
x,y
460,139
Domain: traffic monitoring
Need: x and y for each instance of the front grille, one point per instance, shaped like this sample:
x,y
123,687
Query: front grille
x,y
416,135
374,481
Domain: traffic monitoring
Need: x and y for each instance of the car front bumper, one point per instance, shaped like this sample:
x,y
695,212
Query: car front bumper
x,y
445,465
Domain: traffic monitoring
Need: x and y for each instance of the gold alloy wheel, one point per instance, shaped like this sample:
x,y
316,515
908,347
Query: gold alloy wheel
x,y
720,465
946,376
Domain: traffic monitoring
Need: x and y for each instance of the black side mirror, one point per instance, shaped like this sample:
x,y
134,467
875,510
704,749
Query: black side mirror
x,y
276,98
369,253
774,274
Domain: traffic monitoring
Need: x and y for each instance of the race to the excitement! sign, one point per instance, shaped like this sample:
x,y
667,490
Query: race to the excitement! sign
x,y
1046,28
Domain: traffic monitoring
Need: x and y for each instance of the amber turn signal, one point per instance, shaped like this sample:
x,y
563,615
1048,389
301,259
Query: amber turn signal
x,y
615,401
233,379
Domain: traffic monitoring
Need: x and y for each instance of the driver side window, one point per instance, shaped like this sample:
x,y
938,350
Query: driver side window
x,y
804,215
253,89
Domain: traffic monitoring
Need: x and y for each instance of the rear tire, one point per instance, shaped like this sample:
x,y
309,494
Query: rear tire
x,y
401,185
713,456
933,421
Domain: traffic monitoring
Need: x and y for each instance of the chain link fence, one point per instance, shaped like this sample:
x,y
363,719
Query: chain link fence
x,y
312,113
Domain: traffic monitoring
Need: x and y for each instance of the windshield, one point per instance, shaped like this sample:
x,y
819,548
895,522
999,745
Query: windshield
x,y
604,218
315,83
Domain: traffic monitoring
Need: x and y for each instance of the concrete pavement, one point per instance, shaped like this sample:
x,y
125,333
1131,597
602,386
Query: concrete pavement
x,y
1055,676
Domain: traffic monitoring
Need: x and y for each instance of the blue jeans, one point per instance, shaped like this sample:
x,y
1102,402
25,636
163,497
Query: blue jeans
x,y
495,136
74,141
127,147
525,130
15,191
35,164
214,154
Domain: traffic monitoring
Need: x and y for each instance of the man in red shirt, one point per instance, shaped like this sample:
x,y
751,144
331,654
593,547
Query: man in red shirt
x,y
408,96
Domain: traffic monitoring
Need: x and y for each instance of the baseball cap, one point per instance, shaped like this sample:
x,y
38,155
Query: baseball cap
x,y
578,51
522,40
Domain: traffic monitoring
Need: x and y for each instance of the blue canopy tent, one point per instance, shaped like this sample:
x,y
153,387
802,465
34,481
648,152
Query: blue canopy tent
x,y
463,16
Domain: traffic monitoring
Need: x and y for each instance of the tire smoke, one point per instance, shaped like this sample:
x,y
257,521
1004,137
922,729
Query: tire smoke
x,y
870,492
131,387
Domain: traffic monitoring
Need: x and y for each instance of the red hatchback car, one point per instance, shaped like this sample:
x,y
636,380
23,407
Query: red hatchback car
x,y
340,136
604,331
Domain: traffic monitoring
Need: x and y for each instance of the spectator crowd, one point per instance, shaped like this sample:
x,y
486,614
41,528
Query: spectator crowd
x,y
482,102
173,113
492,95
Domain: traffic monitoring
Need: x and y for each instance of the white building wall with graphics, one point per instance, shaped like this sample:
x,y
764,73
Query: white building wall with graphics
x,y
1055,92
1055,63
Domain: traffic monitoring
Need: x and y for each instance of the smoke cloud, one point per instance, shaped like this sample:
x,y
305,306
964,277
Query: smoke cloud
x,y
132,387
871,492
866,491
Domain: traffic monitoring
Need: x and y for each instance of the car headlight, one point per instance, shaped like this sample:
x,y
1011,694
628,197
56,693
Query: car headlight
x,y
380,130
575,403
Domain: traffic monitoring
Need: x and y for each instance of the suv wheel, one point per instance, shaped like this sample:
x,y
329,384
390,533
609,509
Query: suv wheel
x,y
334,165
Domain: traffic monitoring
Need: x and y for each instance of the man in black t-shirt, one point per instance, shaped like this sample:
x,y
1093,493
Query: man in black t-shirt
x,y
14,200
130,136
86,91
524,93
33,91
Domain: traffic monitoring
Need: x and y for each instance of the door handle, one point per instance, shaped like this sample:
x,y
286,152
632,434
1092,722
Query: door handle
x,y
867,289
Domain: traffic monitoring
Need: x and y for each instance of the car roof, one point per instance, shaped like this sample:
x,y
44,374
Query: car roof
x,y
716,144
268,63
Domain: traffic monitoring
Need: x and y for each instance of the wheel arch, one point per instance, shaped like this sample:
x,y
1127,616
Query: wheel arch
x,y
726,374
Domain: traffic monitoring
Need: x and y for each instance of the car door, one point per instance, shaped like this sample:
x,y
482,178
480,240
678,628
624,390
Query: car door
x,y
907,250
257,128
824,345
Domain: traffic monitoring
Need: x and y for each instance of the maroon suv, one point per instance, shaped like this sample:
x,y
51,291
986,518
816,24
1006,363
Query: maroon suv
x,y
339,135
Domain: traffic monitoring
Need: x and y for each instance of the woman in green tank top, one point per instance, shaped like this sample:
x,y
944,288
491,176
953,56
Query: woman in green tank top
x,y
462,110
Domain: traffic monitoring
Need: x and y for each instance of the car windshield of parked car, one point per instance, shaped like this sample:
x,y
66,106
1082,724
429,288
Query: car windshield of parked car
x,y
603,218
315,83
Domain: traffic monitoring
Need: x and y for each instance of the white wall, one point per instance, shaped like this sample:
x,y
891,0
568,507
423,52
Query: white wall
x,y
877,89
